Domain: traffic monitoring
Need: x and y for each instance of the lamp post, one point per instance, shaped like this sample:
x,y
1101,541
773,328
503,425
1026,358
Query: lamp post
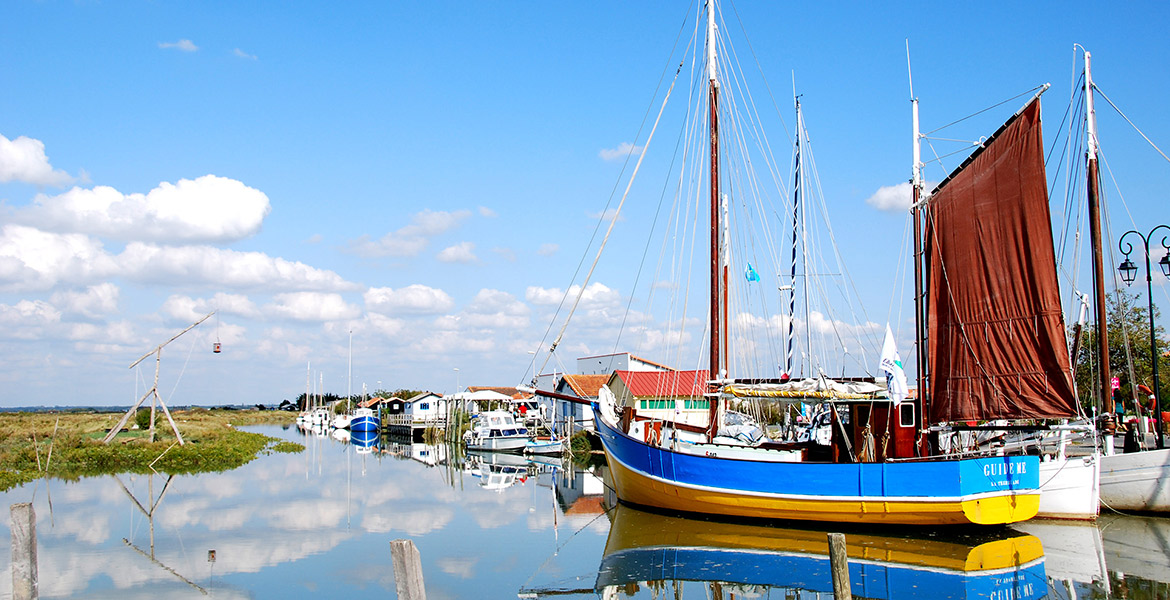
x,y
1128,274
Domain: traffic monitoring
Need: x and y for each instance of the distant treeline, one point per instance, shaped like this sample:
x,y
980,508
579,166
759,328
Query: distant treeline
x,y
325,399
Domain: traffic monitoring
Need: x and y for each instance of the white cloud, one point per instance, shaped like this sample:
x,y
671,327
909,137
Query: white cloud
x,y
384,325
463,252
184,308
31,259
414,299
596,295
312,306
121,332
622,151
95,301
894,198
185,45
242,54
225,268
487,212
495,309
27,319
207,209
24,160
410,239
548,249
609,215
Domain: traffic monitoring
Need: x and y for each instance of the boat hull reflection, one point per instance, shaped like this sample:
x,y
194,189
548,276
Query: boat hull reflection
x,y
652,549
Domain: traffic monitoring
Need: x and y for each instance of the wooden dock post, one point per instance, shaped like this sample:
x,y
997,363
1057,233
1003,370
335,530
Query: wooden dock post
x,y
24,551
408,575
838,560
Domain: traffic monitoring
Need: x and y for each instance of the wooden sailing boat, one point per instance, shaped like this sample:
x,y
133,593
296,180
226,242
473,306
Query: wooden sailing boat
x,y
995,344
790,481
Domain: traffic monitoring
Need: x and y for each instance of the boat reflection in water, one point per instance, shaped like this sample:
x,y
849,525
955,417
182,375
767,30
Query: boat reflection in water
x,y
661,552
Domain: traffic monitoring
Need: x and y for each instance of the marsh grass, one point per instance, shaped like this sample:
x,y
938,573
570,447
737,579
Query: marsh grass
x,y
75,440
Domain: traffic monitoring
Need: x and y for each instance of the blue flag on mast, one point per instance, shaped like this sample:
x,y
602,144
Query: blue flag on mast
x,y
750,273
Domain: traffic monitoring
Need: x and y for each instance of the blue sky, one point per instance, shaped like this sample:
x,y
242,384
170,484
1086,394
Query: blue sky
x,y
427,175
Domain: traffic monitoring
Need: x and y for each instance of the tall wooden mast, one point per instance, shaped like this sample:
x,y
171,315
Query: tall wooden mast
x,y
717,299
916,185
1096,245
716,350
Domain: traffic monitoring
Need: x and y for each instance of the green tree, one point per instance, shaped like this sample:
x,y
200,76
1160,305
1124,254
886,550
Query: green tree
x,y
1127,319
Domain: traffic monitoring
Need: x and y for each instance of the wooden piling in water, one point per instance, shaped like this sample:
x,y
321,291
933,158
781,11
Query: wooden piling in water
x,y
24,551
839,561
408,575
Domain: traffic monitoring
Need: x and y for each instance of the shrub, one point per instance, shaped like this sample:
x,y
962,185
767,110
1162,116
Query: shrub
x,y
142,418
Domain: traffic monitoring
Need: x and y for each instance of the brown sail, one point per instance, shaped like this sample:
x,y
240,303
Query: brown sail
x,y
996,345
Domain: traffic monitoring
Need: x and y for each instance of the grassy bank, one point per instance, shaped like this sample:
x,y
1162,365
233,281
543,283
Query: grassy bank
x,y
75,440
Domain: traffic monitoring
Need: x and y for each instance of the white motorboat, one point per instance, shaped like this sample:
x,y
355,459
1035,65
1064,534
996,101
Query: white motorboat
x,y
496,431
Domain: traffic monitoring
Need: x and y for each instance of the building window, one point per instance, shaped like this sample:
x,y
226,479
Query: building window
x,y
698,404
656,404
424,406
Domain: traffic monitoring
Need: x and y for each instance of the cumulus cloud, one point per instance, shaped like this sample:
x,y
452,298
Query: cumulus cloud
x,y
93,302
184,44
312,306
547,249
24,160
27,319
413,299
463,252
622,151
242,54
596,295
185,308
894,198
226,268
494,309
207,209
31,259
411,239
387,326
121,332
487,212
35,260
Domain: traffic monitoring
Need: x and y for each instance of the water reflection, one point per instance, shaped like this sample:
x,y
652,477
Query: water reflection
x,y
671,554
318,524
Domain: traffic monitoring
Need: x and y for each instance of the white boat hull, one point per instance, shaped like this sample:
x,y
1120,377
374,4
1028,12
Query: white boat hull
x,y
498,444
1069,488
1136,481
544,447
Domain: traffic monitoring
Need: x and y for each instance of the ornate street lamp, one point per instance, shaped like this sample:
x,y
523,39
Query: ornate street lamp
x,y
1128,274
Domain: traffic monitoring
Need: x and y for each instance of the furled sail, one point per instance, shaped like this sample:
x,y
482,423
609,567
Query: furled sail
x,y
996,345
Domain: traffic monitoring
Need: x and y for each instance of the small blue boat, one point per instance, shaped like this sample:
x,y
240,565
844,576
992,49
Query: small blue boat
x,y
365,440
364,419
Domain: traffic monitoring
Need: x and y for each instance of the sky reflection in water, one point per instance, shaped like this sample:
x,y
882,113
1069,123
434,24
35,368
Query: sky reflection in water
x,y
318,524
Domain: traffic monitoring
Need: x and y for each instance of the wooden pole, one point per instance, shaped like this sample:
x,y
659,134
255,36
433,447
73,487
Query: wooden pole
x,y
24,551
408,575
838,559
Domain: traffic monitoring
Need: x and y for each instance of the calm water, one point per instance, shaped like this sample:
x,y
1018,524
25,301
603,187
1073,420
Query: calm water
x,y
318,525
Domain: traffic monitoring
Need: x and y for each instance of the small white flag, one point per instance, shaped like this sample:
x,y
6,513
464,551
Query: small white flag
x,y
891,363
